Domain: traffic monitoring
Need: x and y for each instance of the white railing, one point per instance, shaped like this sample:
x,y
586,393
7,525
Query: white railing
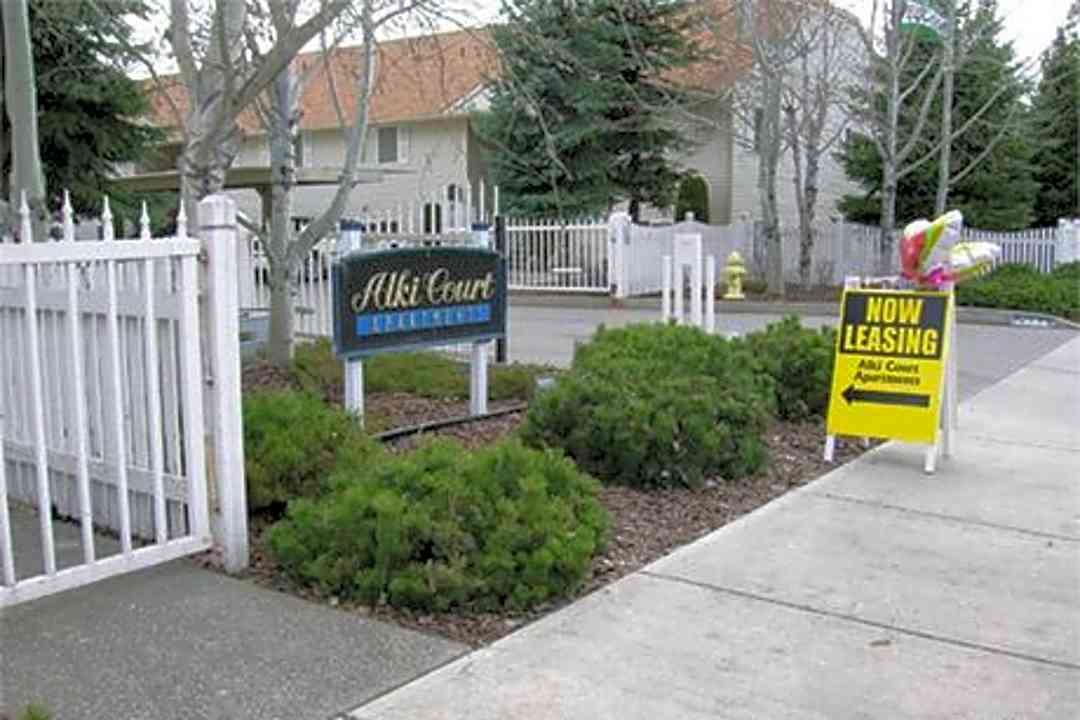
x,y
1037,247
556,256
840,250
101,421
314,302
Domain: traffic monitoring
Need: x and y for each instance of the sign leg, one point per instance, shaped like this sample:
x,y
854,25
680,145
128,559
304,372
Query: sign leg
x,y
830,447
354,389
478,379
930,464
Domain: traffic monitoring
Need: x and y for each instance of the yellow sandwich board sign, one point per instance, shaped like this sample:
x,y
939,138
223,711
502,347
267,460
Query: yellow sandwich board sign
x,y
890,364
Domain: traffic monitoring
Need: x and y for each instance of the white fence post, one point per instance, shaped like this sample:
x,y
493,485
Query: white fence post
x,y
1068,241
217,232
619,229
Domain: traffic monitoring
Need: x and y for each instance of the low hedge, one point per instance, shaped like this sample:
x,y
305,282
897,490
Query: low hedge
x,y
318,370
441,528
657,406
292,441
1022,287
800,362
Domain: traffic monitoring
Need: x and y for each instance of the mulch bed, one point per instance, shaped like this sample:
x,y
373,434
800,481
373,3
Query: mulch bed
x,y
384,411
646,525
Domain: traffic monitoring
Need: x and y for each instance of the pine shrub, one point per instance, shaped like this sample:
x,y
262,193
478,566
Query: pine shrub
x,y
693,197
1022,287
442,528
657,406
800,362
291,444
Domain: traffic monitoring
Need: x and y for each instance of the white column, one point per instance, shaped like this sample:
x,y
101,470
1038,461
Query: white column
x,y
217,231
677,287
618,257
1067,241
665,302
695,292
710,294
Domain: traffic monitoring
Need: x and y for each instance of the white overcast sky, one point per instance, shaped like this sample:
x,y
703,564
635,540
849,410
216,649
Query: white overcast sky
x,y
1030,24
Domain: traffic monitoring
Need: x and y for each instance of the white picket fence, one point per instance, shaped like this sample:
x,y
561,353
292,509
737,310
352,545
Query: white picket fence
x,y
840,250
102,424
541,256
553,256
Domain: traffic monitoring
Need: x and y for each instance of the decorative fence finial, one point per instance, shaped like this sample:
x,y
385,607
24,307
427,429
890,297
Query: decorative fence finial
x,y
144,223
26,233
67,218
181,222
107,231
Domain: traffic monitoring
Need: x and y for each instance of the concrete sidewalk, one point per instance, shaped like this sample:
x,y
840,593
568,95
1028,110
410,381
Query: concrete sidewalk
x,y
177,642
875,592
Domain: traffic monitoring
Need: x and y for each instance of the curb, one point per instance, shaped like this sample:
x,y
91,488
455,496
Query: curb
x,y
964,315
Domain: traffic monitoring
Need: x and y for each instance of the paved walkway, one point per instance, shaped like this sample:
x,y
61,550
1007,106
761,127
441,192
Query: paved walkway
x,y
547,334
875,592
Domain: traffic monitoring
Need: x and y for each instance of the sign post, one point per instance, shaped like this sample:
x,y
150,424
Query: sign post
x,y
892,376
351,241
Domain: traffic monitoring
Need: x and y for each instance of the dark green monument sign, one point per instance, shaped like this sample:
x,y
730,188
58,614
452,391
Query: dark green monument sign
x,y
412,298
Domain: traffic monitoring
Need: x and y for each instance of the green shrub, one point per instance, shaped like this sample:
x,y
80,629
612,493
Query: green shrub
x,y
693,197
35,712
291,443
1021,287
438,528
657,406
318,371
800,362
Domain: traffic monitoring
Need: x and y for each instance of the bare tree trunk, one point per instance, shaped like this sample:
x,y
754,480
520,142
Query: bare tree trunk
x,y
889,160
888,220
21,104
5,146
283,289
945,161
808,215
768,162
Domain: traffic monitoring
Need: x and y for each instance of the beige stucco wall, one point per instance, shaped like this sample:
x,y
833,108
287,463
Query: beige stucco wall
x,y
711,159
435,153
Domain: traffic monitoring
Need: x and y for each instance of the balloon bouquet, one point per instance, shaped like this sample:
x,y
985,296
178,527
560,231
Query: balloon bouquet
x,y
932,259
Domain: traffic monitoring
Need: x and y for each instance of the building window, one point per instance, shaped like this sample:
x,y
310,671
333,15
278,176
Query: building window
x,y
388,145
432,219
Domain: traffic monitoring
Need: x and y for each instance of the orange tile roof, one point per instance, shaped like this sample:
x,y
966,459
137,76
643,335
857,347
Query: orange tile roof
x,y
415,78
428,76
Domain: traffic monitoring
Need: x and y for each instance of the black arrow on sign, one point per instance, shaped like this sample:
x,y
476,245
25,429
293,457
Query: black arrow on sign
x,y
884,398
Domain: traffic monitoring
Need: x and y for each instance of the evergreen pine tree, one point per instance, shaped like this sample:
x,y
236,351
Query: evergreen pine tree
x,y
578,117
1056,125
88,107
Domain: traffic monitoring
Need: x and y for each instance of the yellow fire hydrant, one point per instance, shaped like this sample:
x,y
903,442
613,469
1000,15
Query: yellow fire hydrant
x,y
734,271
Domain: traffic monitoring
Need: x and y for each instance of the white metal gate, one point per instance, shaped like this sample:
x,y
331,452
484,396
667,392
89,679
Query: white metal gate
x,y
102,457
